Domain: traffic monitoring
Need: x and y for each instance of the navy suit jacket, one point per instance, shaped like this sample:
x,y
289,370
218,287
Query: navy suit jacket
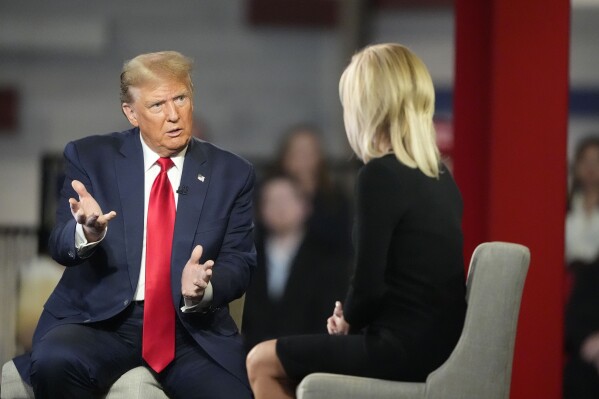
x,y
215,211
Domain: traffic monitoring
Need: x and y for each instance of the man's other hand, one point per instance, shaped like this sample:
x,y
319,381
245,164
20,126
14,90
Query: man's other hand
x,y
196,276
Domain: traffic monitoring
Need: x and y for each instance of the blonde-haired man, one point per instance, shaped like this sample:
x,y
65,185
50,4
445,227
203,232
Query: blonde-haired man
x,y
152,288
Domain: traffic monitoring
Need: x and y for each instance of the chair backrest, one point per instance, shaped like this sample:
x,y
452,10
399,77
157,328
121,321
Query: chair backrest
x,y
481,363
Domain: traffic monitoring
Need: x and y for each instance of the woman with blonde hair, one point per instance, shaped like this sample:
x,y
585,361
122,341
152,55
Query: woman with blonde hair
x,y
405,309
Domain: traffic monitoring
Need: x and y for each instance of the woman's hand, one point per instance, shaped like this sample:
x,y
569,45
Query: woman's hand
x,y
336,324
589,350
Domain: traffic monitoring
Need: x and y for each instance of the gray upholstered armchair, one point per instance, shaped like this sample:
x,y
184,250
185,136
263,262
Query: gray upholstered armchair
x,y
137,383
481,364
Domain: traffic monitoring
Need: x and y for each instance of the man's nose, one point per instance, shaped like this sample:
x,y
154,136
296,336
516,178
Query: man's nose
x,y
172,113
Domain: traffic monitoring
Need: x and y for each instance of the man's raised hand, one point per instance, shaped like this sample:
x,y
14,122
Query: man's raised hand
x,y
87,213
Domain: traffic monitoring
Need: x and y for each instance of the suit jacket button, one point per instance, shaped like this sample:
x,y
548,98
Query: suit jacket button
x,y
126,302
71,254
87,321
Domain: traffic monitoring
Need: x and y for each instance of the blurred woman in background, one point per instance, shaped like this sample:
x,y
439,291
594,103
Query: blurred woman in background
x,y
582,221
581,373
302,157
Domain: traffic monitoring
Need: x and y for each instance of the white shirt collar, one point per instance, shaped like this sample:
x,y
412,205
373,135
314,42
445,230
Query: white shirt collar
x,y
150,157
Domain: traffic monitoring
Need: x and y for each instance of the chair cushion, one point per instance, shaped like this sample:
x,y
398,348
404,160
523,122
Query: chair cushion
x,y
13,387
335,386
137,383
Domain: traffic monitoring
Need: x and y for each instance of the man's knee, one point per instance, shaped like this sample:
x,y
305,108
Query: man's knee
x,y
54,362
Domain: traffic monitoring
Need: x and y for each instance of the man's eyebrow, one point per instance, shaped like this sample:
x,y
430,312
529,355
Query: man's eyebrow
x,y
155,101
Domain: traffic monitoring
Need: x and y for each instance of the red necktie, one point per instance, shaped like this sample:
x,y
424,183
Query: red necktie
x,y
158,345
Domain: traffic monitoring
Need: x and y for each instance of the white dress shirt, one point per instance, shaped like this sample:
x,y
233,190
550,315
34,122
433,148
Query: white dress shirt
x,y
280,255
582,232
151,169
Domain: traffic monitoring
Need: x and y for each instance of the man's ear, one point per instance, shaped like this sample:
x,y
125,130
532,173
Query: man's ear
x,y
130,114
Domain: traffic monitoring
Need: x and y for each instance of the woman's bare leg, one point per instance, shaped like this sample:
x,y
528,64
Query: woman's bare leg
x,y
267,376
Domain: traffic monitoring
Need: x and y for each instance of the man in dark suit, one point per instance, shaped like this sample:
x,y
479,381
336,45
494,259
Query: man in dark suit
x,y
149,282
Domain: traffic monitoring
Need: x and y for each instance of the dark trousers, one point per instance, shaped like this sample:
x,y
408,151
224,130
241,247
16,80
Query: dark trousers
x,y
83,361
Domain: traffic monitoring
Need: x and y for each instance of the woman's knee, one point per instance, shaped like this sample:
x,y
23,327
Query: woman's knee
x,y
263,360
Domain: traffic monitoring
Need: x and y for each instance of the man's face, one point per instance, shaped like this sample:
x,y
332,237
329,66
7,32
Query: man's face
x,y
163,111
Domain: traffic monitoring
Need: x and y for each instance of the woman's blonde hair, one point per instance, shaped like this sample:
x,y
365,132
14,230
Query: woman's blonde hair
x,y
388,104
152,66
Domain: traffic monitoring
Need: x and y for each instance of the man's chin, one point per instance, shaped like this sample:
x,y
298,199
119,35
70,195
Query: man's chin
x,y
176,144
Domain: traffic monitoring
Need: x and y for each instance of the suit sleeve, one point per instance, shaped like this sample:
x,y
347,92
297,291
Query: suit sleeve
x,y
237,256
378,208
61,243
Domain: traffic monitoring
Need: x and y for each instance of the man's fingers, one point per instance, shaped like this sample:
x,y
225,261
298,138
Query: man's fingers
x,y
200,283
79,188
80,217
104,219
92,220
196,254
75,205
208,264
203,276
109,216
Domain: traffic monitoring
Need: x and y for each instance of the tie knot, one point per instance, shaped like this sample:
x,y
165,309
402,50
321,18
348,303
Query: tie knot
x,y
165,164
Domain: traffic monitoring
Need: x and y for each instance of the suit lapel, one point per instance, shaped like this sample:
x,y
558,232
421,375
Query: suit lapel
x,y
195,180
129,168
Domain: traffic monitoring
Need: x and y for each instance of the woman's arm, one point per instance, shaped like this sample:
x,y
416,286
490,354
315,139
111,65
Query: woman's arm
x,y
379,206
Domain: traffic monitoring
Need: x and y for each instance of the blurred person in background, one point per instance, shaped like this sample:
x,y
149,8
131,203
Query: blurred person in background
x,y
405,307
298,277
581,374
302,157
582,220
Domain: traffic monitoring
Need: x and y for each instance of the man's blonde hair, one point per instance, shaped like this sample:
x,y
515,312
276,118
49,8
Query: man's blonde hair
x,y
151,67
388,100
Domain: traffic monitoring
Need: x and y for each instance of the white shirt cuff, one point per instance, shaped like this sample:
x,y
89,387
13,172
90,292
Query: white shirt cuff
x,y
191,307
84,248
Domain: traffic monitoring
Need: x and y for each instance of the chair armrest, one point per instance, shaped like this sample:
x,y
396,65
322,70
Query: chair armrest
x,y
334,386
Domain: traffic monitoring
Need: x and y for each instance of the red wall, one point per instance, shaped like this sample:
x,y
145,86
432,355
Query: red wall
x,y
511,110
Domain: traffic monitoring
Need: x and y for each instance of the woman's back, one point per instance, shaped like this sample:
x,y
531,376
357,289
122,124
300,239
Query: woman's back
x,y
409,278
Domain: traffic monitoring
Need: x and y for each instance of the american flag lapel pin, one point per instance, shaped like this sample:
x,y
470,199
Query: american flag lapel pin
x,y
201,178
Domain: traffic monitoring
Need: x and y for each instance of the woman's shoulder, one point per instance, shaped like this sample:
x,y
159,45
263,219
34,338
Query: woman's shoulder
x,y
386,167
389,164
